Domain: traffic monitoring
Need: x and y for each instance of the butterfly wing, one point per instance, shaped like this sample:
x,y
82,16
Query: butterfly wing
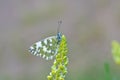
x,y
46,48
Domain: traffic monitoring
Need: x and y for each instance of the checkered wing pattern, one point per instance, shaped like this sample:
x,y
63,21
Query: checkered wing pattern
x,y
46,48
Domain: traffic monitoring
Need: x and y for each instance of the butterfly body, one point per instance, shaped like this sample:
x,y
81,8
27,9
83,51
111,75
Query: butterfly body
x,y
46,48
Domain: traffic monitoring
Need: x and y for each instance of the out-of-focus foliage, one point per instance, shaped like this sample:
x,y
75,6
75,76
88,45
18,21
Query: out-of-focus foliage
x,y
116,51
107,71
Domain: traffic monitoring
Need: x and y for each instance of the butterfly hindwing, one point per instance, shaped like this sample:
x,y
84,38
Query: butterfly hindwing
x,y
46,48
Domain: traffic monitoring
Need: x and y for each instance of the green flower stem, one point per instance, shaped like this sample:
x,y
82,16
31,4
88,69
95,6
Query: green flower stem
x,y
108,75
59,68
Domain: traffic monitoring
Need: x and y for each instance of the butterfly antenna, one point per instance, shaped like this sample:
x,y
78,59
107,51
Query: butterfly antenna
x,y
59,24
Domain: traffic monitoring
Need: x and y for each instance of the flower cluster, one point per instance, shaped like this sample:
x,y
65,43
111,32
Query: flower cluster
x,y
59,67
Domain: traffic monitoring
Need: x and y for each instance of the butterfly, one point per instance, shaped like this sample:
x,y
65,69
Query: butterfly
x,y
48,47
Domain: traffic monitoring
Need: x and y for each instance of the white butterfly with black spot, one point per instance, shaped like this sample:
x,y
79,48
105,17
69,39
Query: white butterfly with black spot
x,y
46,48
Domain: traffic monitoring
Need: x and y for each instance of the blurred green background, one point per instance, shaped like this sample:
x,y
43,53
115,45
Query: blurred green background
x,y
89,25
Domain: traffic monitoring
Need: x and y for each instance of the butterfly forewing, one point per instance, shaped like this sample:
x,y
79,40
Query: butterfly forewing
x,y
46,48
